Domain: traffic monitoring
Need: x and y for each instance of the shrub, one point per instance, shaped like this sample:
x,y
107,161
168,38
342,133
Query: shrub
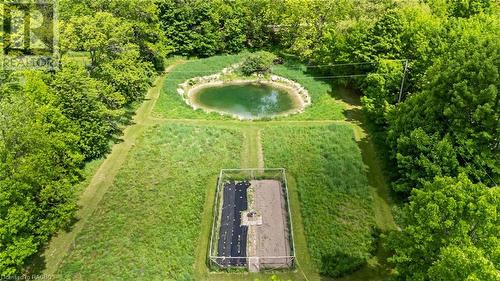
x,y
340,264
260,62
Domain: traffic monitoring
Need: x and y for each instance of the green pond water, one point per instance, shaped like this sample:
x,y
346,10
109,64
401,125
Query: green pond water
x,y
248,101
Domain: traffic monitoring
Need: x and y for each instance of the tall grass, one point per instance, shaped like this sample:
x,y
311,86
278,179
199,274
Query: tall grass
x,y
147,225
335,198
323,106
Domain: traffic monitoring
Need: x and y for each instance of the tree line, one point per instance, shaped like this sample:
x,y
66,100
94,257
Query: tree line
x,y
53,122
440,126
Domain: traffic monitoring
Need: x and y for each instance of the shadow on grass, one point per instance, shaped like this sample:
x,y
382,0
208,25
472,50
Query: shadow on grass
x,y
377,267
347,264
37,263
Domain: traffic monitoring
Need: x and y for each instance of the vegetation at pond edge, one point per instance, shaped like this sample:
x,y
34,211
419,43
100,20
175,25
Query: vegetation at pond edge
x,y
259,63
427,75
171,105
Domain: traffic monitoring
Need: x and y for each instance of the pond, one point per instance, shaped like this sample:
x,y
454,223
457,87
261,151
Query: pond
x,y
247,101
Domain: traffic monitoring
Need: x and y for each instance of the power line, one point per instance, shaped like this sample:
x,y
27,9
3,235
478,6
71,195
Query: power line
x,y
312,77
293,68
335,76
305,78
477,162
351,63
331,64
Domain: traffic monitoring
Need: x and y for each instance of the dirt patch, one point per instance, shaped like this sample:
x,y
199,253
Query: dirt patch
x,y
272,236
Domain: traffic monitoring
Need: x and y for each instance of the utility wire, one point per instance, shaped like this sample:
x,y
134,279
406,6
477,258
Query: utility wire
x,y
335,76
351,63
308,77
305,66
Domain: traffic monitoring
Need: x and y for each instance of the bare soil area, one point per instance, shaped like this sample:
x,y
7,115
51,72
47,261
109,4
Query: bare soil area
x,y
272,236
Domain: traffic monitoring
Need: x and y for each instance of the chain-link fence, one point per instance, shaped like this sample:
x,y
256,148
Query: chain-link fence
x,y
234,241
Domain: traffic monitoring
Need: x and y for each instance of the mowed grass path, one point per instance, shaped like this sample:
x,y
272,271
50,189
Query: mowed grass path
x,y
154,221
148,224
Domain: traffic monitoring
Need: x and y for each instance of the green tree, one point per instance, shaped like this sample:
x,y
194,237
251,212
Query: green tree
x,y
258,20
102,35
204,28
260,62
409,32
464,263
89,104
381,90
468,8
191,29
446,214
39,162
460,101
142,17
420,157
128,75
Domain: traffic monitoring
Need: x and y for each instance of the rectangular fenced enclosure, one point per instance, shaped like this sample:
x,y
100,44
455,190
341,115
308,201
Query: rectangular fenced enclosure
x,y
252,225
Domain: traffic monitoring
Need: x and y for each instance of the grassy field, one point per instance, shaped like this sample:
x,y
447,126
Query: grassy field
x,y
147,225
154,220
335,198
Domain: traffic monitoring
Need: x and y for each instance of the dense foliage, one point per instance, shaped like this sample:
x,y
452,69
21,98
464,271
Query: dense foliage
x,y
52,123
450,232
452,125
427,71
39,160
206,28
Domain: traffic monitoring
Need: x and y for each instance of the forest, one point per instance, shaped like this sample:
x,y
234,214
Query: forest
x,y
426,71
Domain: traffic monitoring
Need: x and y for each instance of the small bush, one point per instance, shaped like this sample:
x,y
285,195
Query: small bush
x,y
260,62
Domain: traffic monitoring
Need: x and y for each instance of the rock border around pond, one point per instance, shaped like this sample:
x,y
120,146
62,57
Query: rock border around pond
x,y
191,86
